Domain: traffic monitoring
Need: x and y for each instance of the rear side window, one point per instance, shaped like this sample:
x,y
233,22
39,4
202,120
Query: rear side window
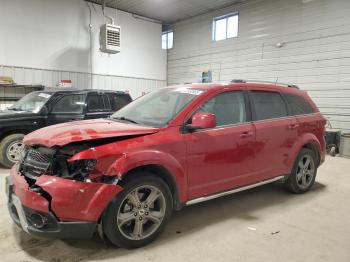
x,y
98,102
119,101
95,103
298,105
70,104
268,105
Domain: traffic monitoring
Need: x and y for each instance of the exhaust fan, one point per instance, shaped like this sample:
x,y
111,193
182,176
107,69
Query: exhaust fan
x,y
110,38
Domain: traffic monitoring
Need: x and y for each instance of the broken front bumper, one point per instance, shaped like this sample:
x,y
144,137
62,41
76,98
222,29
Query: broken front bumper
x,y
62,208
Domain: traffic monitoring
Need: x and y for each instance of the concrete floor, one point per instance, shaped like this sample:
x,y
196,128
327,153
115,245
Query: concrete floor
x,y
262,224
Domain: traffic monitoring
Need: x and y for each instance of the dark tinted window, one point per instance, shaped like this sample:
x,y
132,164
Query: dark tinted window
x,y
70,104
298,105
228,108
119,101
107,103
95,103
268,105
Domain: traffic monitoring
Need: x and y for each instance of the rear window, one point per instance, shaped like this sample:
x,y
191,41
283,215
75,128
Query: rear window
x,y
298,105
268,105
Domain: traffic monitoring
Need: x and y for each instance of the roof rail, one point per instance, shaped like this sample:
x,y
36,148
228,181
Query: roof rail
x,y
264,82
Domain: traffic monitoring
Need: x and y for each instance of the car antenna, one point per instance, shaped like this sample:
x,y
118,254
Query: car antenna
x,y
276,81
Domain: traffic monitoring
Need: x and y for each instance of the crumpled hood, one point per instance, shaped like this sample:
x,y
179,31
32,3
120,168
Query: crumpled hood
x,y
62,134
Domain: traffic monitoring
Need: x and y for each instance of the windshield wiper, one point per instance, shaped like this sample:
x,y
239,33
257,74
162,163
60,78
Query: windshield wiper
x,y
123,118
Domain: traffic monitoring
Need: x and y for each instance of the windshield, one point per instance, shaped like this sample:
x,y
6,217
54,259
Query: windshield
x,y
33,102
157,108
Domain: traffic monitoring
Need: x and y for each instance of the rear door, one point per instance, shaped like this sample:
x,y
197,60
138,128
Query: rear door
x,y
276,132
221,158
98,106
66,108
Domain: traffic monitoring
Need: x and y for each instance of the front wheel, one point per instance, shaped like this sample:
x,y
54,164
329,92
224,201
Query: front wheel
x,y
11,148
304,172
139,213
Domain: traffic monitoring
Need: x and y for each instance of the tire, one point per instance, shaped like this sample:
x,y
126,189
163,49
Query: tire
x,y
121,229
303,173
10,142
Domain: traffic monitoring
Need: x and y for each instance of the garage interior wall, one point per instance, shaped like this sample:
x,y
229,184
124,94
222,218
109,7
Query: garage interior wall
x,y
315,54
43,42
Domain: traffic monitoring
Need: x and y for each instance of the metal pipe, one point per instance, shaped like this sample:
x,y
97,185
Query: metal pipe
x,y
103,11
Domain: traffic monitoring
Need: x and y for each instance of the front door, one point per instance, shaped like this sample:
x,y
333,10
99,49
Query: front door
x,y
223,157
68,107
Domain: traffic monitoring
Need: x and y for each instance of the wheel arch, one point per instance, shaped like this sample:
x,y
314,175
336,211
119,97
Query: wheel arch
x,y
159,163
12,132
309,141
157,171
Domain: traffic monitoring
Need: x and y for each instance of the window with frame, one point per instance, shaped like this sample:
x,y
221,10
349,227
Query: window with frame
x,y
119,101
298,105
98,103
225,27
70,104
229,108
167,40
268,105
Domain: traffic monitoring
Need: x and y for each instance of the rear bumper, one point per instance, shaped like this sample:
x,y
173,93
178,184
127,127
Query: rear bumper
x,y
57,207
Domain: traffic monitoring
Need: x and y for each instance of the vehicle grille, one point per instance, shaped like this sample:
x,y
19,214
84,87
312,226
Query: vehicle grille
x,y
37,156
36,162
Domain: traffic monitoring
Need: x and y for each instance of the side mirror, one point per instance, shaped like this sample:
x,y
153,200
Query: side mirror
x,y
202,120
44,110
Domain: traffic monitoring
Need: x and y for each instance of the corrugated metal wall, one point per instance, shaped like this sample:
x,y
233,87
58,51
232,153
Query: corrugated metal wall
x,y
316,54
50,78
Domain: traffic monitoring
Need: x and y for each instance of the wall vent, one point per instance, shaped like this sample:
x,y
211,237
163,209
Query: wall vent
x,y
110,38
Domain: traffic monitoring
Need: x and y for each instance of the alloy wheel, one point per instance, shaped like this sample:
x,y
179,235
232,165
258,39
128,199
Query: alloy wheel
x,y
14,151
141,212
305,171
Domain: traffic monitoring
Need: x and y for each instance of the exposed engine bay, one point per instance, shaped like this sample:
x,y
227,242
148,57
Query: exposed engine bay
x,y
54,161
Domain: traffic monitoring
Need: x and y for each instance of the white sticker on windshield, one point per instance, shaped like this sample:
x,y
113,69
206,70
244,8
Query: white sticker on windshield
x,y
190,91
44,95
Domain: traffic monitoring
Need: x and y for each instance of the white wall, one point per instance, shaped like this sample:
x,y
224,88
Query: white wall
x,y
49,40
316,55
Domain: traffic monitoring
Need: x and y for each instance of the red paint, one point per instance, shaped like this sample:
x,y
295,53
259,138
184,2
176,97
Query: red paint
x,y
203,120
66,133
201,163
74,200
28,198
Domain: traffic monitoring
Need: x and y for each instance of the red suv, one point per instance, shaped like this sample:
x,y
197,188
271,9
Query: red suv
x,y
174,147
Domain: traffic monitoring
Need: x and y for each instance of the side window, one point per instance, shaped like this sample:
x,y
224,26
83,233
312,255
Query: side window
x,y
119,101
107,103
70,104
298,105
228,108
268,105
95,103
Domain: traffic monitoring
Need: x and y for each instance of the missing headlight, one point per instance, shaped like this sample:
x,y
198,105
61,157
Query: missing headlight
x,y
80,169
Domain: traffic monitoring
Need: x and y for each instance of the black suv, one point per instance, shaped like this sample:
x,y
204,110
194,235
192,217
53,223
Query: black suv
x,y
43,108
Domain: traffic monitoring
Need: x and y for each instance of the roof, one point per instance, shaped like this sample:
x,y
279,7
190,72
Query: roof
x,y
80,91
257,84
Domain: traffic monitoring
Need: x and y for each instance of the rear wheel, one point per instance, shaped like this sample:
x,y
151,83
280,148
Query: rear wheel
x,y
11,148
139,213
304,172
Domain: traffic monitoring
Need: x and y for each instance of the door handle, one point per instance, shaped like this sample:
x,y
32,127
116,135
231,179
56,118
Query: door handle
x,y
246,134
293,126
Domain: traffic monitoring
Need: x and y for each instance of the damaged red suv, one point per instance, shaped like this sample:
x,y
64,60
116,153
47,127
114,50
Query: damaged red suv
x,y
177,146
